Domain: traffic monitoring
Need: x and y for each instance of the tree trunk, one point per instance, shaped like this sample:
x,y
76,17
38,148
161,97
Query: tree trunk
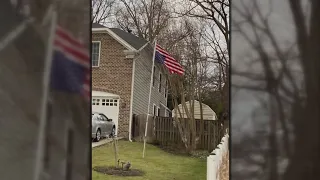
x,y
304,161
225,99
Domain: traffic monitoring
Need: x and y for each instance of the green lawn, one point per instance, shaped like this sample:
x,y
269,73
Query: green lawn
x,y
157,164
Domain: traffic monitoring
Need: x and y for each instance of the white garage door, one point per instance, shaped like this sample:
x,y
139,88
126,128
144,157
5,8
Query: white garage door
x,y
107,104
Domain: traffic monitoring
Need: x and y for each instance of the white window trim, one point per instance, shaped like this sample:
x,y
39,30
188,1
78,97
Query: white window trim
x,y
99,52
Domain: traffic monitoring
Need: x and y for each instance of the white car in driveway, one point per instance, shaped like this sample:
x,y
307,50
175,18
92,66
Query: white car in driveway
x,y
102,126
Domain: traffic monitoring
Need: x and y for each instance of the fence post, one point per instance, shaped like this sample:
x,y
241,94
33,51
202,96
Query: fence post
x,y
211,168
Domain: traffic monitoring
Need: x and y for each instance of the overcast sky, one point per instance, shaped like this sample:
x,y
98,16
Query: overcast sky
x,y
244,102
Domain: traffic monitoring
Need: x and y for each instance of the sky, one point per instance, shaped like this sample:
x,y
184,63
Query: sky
x,y
243,101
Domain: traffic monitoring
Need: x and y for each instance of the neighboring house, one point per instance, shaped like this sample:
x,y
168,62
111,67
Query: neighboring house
x,y
121,74
207,112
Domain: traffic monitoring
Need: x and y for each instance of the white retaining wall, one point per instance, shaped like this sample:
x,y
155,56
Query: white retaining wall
x,y
214,161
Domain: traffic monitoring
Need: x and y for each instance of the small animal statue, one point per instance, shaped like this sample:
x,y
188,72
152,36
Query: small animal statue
x,y
122,163
127,166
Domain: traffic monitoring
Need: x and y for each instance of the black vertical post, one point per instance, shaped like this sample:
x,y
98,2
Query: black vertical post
x,y
70,145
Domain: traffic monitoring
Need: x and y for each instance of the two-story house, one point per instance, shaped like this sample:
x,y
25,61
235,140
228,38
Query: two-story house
x,y
121,76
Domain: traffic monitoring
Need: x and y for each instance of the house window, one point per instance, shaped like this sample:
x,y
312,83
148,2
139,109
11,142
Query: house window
x,y
160,80
166,89
95,53
109,102
158,111
154,110
154,76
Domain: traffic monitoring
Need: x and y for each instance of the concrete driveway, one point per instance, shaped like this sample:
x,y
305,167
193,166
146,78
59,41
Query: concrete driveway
x,y
103,141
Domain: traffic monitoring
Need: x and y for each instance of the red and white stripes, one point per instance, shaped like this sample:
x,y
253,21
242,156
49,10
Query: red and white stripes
x,y
76,52
172,64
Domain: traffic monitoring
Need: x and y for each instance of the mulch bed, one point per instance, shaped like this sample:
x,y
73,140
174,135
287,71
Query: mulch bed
x,y
202,154
110,170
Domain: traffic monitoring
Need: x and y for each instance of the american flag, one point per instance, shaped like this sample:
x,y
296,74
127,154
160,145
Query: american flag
x,y
70,70
163,57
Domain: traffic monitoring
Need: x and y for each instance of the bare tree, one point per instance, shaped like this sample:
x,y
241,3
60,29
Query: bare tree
x,y
289,75
189,88
216,13
145,18
102,10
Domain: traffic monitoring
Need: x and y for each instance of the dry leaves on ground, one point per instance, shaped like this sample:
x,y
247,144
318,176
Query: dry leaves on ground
x,y
224,169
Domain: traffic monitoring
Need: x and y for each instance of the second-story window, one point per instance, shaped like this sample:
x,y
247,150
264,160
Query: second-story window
x,y
154,110
166,89
160,80
95,53
154,76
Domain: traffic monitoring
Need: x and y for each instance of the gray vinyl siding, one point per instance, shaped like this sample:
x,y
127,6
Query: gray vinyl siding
x,y
143,69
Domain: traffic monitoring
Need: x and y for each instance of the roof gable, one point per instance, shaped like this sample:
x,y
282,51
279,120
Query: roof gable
x,y
130,39
96,25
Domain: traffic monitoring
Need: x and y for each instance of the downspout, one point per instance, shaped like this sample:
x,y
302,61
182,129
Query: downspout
x,y
131,100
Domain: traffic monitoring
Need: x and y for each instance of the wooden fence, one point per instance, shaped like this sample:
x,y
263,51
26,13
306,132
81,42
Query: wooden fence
x,y
164,131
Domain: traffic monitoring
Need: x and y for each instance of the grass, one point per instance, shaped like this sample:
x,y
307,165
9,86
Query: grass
x,y
157,163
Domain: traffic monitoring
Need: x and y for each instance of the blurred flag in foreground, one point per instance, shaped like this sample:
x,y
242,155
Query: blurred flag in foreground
x,y
67,69
70,69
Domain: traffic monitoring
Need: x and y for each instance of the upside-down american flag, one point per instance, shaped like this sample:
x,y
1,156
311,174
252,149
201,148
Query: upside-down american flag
x,y
163,57
70,69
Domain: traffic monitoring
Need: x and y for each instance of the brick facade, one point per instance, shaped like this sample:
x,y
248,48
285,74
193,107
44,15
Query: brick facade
x,y
114,75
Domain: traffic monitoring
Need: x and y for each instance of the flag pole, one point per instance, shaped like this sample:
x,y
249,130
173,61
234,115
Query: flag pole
x,y
44,100
150,90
